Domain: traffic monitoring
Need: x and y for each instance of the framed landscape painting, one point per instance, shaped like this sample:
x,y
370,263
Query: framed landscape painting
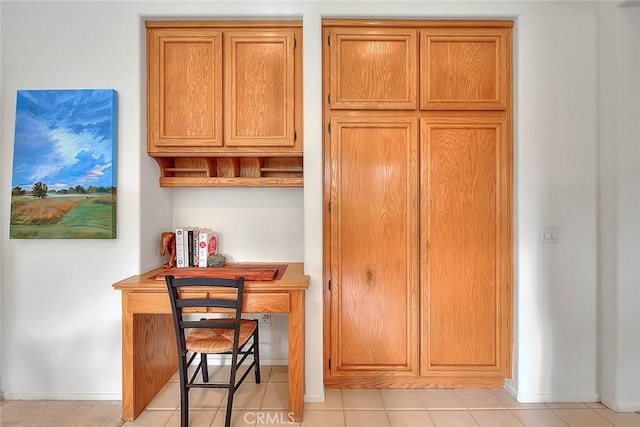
x,y
64,165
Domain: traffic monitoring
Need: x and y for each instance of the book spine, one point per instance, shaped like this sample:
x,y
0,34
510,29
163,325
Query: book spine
x,y
212,244
190,247
196,235
185,239
202,246
180,247
207,246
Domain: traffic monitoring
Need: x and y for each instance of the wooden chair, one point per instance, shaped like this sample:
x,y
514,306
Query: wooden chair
x,y
211,336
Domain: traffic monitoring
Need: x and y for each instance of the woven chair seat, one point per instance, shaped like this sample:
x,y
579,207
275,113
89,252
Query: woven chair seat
x,y
218,340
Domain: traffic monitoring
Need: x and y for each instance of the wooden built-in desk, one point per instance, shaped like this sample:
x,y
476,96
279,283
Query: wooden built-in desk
x,y
149,351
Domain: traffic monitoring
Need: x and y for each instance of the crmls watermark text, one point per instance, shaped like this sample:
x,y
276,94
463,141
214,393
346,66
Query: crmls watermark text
x,y
269,418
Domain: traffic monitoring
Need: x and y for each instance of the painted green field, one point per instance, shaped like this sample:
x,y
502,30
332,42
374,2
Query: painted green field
x,y
81,216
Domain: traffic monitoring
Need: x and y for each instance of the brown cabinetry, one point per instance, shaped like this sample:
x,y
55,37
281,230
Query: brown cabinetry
x,y
464,68
184,89
373,68
260,92
374,222
417,237
465,247
224,102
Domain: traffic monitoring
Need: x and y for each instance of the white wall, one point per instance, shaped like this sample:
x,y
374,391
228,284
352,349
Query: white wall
x,y
60,317
1,210
619,233
253,224
76,44
556,185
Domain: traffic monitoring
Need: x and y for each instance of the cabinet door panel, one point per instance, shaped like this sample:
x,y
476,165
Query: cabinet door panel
x,y
373,69
260,97
185,88
374,301
465,274
464,69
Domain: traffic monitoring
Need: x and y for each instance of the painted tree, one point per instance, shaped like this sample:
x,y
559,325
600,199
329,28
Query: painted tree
x,y
39,190
18,191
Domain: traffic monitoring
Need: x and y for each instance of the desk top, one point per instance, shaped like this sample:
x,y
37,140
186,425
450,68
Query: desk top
x,y
293,279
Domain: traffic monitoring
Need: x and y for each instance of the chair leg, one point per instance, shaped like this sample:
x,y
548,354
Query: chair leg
x,y
184,406
256,354
227,420
204,367
232,385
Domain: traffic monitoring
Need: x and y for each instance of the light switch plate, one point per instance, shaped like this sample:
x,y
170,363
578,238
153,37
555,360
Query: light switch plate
x,y
549,234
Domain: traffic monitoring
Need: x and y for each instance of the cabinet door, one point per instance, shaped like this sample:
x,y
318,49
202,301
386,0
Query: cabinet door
x,y
374,290
260,90
373,69
464,68
465,247
184,89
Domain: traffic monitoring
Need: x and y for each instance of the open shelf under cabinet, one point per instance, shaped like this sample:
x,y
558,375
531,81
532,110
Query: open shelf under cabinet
x,y
230,171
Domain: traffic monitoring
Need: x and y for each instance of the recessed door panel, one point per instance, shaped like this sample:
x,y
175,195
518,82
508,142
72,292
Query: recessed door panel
x,y
463,69
374,251
185,88
373,69
260,96
462,224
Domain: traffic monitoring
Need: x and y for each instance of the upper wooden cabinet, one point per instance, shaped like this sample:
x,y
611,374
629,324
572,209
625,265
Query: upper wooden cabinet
x,y
452,67
225,102
464,68
373,68
212,87
260,92
184,89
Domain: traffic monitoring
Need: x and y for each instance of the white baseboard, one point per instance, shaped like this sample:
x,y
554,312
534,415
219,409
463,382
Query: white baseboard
x,y
314,398
62,396
551,397
512,391
557,397
211,360
621,406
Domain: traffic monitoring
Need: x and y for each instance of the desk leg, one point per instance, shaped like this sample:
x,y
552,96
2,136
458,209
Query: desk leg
x,y
149,358
296,355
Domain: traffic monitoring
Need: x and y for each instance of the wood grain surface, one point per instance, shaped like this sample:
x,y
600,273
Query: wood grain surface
x,y
229,272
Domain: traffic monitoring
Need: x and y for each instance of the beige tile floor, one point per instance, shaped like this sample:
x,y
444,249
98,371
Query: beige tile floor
x,y
265,404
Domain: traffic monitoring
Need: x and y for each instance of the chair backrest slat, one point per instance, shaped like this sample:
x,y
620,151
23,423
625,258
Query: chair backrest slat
x,y
183,295
205,281
206,302
191,324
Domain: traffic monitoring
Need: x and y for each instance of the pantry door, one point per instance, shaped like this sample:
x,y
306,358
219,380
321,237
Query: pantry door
x,y
374,268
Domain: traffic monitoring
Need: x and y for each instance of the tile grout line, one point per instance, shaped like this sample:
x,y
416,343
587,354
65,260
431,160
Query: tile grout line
x,y
386,410
559,416
344,413
474,418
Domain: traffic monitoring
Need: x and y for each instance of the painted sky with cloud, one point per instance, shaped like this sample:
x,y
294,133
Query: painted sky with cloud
x,y
65,138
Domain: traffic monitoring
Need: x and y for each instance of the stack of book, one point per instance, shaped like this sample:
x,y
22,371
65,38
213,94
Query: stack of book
x,y
194,245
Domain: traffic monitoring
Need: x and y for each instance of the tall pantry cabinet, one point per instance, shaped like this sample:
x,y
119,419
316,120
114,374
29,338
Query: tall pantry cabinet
x,y
418,192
